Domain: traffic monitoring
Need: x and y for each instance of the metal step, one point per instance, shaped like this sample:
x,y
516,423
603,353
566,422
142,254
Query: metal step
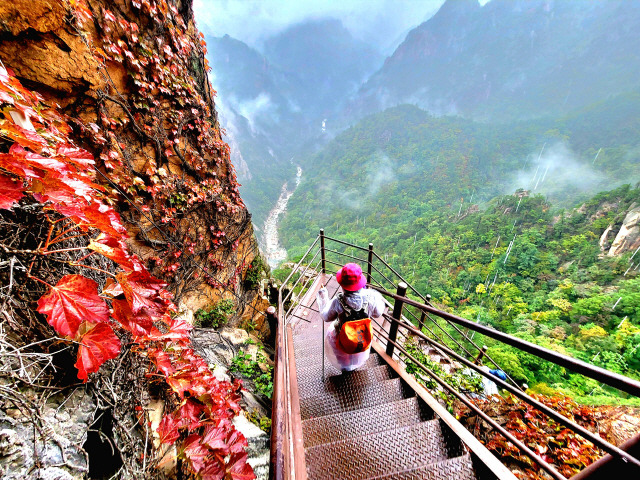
x,y
378,454
334,384
311,369
458,468
353,399
356,423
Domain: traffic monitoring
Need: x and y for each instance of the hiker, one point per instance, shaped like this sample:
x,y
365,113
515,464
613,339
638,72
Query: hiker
x,y
348,338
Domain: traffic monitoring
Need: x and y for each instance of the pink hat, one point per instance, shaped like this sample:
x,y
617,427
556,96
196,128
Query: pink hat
x,y
350,277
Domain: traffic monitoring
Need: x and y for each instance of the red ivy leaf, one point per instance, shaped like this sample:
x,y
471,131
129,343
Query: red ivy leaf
x,y
113,249
162,361
195,452
189,414
76,155
98,345
139,325
10,192
24,137
168,429
238,468
72,301
143,293
215,437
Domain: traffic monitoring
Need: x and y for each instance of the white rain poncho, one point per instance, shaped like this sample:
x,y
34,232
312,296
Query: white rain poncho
x,y
329,311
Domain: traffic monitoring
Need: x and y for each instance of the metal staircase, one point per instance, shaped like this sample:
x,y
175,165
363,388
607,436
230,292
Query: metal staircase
x,y
378,422
369,423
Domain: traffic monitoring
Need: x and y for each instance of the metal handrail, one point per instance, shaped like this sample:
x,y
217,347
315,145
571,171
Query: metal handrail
x,y
530,453
372,253
595,439
398,320
612,379
428,302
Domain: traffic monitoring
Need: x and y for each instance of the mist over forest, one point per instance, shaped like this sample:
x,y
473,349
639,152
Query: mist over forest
x,y
466,128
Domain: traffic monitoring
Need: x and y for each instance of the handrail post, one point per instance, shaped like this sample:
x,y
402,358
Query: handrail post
x,y
422,319
481,353
369,263
397,315
322,252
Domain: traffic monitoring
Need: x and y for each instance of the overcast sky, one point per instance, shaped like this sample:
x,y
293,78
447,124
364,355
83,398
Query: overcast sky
x,y
383,23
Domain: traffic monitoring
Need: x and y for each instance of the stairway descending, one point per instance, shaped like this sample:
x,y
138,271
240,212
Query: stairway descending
x,y
367,424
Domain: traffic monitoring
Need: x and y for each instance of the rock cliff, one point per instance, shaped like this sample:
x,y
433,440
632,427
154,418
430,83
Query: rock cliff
x,y
628,237
132,78
125,83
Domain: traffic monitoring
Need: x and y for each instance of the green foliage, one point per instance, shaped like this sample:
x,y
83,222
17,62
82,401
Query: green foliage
x,y
458,380
244,365
429,193
254,273
216,316
261,421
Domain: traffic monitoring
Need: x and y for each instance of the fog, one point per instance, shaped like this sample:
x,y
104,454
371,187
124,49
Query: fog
x,y
557,172
381,23
379,171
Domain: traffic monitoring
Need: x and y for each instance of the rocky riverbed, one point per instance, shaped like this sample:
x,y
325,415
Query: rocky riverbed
x,y
274,253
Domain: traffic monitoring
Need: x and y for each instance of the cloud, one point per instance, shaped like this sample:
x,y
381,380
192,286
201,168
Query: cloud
x,y
382,23
379,172
557,172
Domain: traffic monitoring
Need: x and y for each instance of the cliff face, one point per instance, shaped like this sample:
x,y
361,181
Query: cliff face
x,y
132,78
124,83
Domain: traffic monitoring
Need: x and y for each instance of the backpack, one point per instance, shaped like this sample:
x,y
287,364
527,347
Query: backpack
x,y
354,329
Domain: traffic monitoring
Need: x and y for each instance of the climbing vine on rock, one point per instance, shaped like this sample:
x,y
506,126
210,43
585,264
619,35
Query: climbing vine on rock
x,y
95,294
156,137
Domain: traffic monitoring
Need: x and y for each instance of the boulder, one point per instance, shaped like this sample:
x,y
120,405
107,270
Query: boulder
x,y
628,237
58,447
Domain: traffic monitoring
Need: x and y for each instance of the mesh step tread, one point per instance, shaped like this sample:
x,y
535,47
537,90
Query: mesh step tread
x,y
458,468
353,398
378,454
335,384
310,368
356,423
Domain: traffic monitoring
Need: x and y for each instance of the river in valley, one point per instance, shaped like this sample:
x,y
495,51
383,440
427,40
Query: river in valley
x,y
274,253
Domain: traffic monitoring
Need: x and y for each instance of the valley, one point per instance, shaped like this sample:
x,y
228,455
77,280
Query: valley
x,y
492,157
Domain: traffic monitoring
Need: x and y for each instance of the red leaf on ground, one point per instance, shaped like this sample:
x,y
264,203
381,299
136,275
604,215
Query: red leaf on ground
x,y
10,192
72,301
168,429
98,345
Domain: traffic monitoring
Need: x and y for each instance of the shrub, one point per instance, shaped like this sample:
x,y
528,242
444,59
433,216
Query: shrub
x,y
254,273
215,316
250,369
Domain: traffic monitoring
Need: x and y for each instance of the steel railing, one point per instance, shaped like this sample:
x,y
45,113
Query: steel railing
x,y
412,317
